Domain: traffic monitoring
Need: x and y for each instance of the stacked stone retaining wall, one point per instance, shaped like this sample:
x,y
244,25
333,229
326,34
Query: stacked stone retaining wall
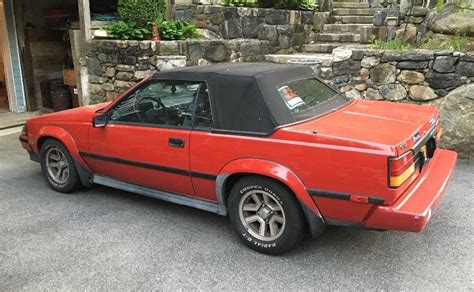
x,y
115,66
285,30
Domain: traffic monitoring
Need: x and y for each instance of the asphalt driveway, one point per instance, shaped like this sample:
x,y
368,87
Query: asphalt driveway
x,y
101,238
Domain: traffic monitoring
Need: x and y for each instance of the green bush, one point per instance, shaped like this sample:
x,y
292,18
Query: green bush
x,y
266,3
177,30
127,31
141,12
239,3
305,5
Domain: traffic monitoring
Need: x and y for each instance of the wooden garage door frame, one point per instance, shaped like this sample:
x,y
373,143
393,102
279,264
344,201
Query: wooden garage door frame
x,y
11,58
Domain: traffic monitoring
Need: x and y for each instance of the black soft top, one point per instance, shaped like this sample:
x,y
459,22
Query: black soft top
x,y
244,96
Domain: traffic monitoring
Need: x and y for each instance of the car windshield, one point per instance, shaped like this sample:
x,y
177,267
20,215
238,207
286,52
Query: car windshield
x,y
306,98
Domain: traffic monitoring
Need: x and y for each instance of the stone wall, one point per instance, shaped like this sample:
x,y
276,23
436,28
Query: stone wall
x,y
441,78
115,66
404,19
285,30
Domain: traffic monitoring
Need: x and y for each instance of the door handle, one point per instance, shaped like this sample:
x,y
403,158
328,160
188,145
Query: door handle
x,y
175,142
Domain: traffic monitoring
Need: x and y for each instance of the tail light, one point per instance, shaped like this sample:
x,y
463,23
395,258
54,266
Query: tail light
x,y
400,169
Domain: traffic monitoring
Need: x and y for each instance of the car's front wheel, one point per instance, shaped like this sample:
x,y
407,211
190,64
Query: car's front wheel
x,y
58,167
266,215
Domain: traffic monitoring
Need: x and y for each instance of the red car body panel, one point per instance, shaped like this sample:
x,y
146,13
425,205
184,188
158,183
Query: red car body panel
x,y
343,152
146,145
412,211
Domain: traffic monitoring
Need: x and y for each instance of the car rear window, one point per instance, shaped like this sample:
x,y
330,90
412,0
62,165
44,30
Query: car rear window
x,y
306,98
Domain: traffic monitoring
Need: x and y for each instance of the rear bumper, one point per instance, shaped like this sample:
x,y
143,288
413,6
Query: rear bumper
x,y
414,208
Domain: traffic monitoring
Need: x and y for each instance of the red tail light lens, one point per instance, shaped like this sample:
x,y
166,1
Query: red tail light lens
x,y
400,169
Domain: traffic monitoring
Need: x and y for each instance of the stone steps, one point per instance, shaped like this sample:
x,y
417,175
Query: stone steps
x,y
324,59
341,28
350,17
353,11
356,19
324,69
322,47
349,5
338,37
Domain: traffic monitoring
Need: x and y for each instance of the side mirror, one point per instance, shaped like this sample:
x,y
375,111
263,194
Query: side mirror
x,y
99,120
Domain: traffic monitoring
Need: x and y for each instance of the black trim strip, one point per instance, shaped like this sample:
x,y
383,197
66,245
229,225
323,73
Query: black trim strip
x,y
375,200
341,196
203,175
149,166
328,194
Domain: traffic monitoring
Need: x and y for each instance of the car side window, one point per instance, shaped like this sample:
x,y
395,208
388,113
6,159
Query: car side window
x,y
168,103
202,112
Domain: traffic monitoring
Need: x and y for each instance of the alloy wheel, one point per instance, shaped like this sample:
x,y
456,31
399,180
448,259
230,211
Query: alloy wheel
x,y
262,215
57,165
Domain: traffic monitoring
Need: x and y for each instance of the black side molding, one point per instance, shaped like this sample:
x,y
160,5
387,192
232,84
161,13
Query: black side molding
x,y
150,166
342,196
328,194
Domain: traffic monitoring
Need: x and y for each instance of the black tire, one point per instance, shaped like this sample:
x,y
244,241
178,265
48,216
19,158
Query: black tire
x,y
72,182
288,235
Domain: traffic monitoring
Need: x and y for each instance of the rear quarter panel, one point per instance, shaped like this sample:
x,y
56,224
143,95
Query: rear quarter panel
x,y
317,165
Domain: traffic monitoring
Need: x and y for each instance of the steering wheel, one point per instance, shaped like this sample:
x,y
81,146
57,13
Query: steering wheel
x,y
154,100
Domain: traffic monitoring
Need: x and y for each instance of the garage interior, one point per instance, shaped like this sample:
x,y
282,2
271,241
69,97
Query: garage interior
x,y
49,41
3,86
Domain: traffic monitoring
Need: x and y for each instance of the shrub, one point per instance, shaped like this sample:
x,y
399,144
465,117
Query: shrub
x,y
267,3
141,12
305,5
177,30
239,3
127,31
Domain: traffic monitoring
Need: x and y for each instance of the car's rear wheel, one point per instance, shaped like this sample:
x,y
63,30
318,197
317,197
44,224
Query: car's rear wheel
x,y
58,167
266,215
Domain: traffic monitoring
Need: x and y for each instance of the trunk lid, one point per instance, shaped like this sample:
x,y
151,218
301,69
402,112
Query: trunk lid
x,y
376,122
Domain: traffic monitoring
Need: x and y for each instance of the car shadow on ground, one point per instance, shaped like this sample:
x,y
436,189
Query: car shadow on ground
x,y
336,238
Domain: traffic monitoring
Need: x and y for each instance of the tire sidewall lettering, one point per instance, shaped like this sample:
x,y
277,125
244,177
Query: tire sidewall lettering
x,y
260,188
249,238
257,243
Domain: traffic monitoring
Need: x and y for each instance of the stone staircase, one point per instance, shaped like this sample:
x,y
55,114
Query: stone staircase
x,y
349,16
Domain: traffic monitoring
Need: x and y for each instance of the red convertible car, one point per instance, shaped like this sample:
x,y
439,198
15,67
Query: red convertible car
x,y
270,146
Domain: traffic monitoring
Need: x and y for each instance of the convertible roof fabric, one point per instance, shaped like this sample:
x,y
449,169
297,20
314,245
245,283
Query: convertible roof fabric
x,y
244,96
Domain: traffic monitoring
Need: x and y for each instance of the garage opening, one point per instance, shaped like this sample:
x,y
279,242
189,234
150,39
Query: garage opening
x,y
3,86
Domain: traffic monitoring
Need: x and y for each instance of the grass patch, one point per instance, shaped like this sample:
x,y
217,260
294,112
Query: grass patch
x,y
456,43
395,44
